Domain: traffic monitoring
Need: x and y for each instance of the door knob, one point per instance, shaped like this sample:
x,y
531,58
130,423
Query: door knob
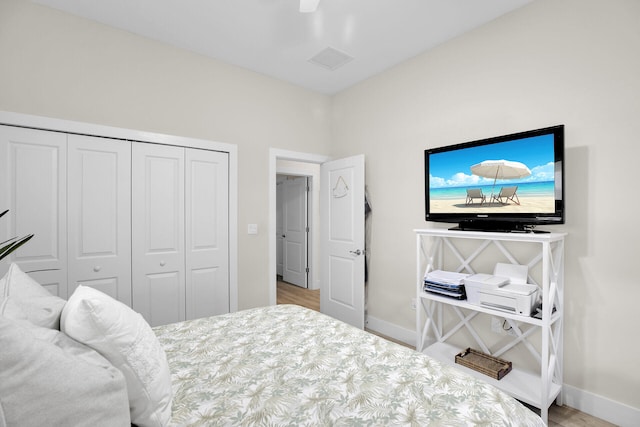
x,y
356,252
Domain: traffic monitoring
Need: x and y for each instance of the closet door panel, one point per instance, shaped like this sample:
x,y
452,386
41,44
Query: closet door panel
x,y
109,285
158,232
156,298
34,190
99,200
207,233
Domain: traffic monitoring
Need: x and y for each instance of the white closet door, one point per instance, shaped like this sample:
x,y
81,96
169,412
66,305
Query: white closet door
x,y
158,269
207,233
34,170
99,215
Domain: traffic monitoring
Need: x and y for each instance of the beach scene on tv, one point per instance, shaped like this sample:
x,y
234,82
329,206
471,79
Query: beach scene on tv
x,y
506,177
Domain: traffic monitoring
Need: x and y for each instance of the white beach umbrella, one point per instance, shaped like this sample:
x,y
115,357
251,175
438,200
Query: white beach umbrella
x,y
500,169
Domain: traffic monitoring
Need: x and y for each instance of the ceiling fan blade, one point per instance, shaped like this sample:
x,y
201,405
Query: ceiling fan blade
x,y
307,6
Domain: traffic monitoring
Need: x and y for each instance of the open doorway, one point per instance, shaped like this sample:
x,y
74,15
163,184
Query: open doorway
x,y
294,164
296,233
340,232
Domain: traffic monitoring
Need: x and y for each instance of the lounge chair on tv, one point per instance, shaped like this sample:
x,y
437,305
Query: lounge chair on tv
x,y
475,193
506,194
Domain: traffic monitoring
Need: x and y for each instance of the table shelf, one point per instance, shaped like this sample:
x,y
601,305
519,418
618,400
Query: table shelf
x,y
537,387
521,384
464,304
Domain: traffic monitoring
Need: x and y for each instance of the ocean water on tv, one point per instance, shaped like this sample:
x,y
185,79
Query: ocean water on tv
x,y
525,189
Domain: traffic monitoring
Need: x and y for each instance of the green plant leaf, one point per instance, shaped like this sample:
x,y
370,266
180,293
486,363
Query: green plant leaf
x,y
14,244
10,245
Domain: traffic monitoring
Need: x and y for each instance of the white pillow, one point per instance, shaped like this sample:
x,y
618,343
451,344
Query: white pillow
x,y
22,298
49,379
124,338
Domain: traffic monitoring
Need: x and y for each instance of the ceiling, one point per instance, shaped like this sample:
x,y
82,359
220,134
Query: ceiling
x,y
356,38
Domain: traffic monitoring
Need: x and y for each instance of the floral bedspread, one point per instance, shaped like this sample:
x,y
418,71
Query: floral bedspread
x,y
285,365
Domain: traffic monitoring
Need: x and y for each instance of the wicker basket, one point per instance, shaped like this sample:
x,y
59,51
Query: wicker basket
x,y
484,363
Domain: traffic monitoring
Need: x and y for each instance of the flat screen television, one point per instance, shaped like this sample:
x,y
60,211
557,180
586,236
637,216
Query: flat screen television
x,y
504,183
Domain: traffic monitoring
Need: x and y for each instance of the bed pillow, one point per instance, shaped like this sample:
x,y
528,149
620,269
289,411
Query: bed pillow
x,y
21,297
49,379
123,337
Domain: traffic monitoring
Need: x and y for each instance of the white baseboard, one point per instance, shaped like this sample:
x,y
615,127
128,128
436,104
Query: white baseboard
x,y
393,331
606,409
601,407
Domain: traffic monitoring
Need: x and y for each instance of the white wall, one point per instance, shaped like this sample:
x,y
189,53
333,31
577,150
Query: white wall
x,y
555,61
571,62
56,65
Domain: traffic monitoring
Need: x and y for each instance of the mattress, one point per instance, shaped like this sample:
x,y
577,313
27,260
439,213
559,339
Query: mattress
x,y
287,365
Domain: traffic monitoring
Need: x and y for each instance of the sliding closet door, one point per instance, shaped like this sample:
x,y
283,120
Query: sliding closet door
x,y
99,215
207,233
33,187
158,257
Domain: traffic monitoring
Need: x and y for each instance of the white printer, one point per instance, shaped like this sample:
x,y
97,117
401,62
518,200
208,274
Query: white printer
x,y
505,290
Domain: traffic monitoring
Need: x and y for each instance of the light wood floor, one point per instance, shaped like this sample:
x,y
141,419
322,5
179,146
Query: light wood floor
x,y
292,294
559,416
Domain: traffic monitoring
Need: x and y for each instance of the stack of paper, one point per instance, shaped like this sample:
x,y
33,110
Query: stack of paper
x,y
447,283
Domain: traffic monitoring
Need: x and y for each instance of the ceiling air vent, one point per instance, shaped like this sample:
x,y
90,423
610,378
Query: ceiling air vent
x,y
330,58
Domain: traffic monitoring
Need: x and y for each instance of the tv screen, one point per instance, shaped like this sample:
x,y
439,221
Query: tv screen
x,y
504,183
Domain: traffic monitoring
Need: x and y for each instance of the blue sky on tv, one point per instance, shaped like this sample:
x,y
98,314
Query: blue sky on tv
x,y
453,168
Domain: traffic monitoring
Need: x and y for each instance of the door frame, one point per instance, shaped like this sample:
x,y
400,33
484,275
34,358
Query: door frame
x,y
276,154
68,126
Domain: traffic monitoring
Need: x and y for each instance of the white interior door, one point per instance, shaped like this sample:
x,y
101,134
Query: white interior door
x,y
295,230
99,215
207,233
279,232
33,164
158,254
342,239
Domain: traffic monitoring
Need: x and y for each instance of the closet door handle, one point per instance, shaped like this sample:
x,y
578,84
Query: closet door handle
x,y
356,252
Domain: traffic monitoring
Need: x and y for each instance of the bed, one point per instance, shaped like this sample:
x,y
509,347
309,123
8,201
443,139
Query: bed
x,y
92,361
287,365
